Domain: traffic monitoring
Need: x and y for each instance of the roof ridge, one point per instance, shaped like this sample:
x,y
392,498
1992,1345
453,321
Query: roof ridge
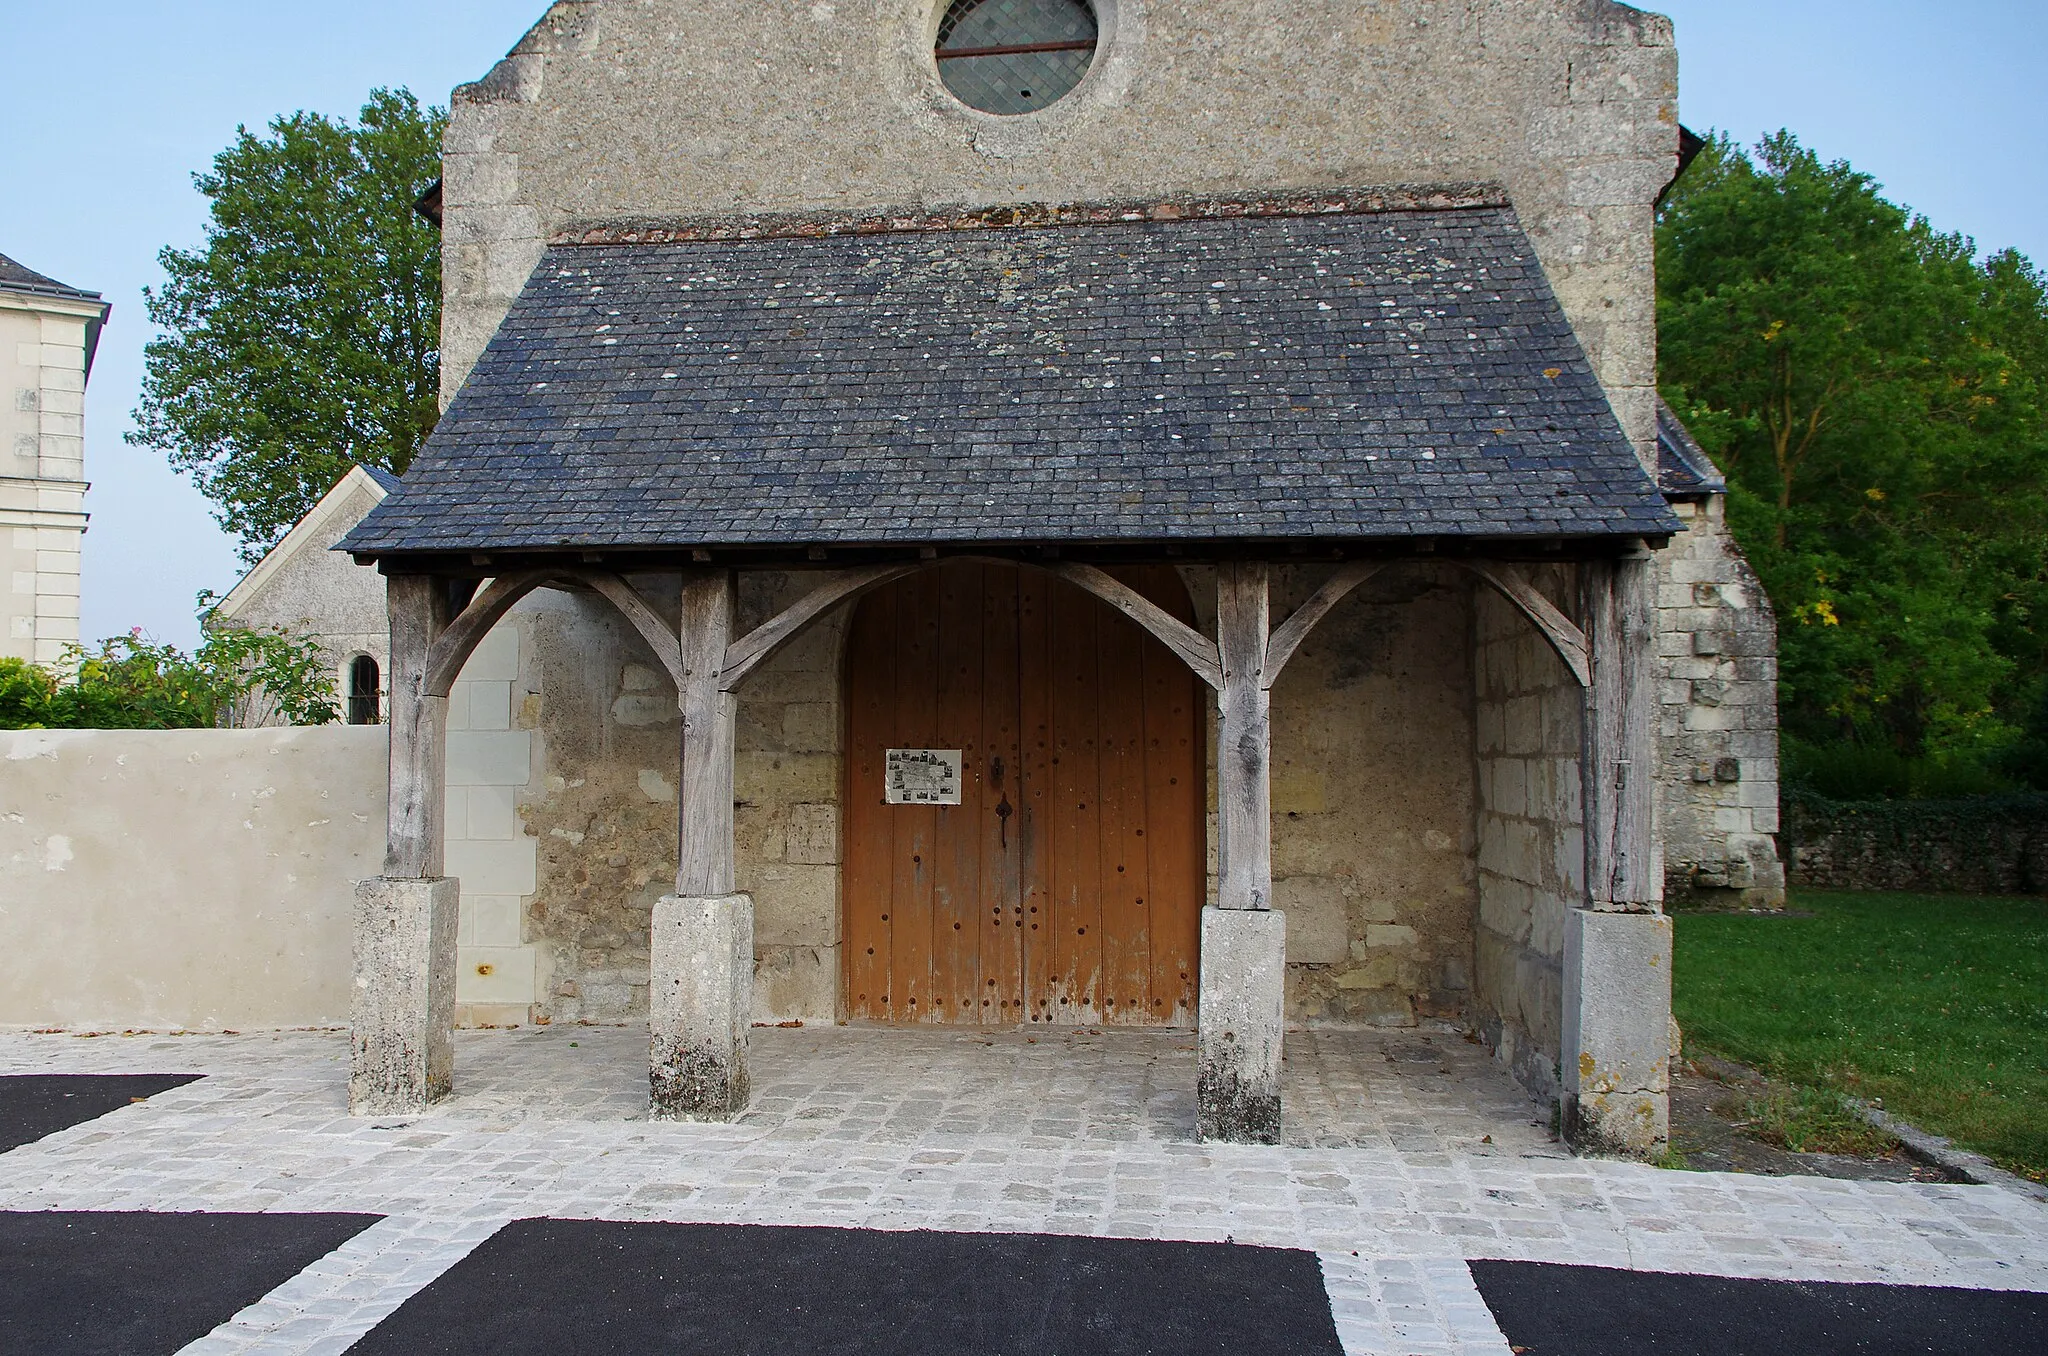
x,y
1012,216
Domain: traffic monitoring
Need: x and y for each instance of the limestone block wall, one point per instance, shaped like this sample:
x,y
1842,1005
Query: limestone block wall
x,y
610,108
1718,712
183,879
601,809
492,755
1373,804
1532,854
42,472
1373,801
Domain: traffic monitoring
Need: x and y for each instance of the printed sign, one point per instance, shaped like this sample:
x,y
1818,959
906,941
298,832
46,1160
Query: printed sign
x,y
922,777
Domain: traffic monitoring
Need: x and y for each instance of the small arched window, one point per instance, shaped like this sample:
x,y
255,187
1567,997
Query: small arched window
x,y
362,691
1015,56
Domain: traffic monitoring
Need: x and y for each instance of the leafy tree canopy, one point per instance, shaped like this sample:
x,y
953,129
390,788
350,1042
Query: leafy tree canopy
x,y
1878,398
304,338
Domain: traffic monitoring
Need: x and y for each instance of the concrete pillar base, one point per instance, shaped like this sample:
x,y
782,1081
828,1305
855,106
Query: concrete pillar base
x,y
1617,1032
700,1005
402,1011
1243,1000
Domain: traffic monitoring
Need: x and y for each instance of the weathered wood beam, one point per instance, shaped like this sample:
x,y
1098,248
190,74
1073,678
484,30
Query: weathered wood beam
x,y
1564,637
704,866
417,606
1244,749
660,639
1618,763
1287,637
748,653
1195,650
452,647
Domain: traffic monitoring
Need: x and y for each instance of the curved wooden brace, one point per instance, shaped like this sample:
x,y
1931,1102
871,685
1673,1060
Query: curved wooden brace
x,y
750,651
451,649
1196,650
1564,637
1288,635
659,635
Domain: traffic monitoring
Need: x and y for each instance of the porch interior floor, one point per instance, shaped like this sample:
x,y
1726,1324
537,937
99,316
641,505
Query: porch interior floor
x,y
1416,1090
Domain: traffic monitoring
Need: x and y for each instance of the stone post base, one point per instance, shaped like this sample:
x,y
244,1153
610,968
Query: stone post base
x,y
1243,998
700,1005
1617,1032
402,1012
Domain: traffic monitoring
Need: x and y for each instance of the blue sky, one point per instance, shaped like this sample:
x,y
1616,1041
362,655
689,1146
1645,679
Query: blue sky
x,y
108,107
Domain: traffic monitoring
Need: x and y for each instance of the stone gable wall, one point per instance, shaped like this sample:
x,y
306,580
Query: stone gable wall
x,y
325,595
611,108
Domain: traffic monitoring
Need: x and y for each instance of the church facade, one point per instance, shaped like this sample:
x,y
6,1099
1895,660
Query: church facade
x,y
1038,512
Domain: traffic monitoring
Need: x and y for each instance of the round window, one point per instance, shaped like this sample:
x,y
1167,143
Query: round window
x,y
1014,56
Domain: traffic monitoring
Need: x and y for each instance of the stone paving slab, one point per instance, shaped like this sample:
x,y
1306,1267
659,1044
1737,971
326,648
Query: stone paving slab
x,y
1406,1152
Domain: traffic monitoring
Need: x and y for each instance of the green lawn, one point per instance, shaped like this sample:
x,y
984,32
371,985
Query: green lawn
x,y
1938,1004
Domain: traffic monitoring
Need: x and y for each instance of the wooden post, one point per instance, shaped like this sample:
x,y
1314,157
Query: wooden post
x,y
701,953
1244,743
1242,1003
1618,765
417,605
1615,1038
704,866
402,1007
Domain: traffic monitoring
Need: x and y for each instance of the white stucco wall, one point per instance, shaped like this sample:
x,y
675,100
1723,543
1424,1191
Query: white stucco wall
x,y
183,879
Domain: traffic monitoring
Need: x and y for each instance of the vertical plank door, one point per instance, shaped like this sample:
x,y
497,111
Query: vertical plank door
x,y
1066,887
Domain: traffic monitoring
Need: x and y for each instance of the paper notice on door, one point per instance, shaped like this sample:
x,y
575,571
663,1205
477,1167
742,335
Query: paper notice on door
x,y
922,777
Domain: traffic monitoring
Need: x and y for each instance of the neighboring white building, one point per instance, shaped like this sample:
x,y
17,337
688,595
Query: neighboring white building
x,y
48,333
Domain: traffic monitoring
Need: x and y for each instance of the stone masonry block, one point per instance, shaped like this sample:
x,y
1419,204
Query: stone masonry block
x,y
402,1007
1617,1020
1318,919
796,905
813,835
700,1006
1243,1001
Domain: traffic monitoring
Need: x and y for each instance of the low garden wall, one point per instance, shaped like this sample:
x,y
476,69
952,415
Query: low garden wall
x,y
1987,845
183,879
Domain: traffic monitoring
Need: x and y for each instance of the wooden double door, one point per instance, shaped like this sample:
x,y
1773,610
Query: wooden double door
x,y
1066,886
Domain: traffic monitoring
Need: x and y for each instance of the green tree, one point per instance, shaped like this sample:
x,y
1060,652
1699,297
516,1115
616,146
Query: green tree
x,y
1874,393
304,338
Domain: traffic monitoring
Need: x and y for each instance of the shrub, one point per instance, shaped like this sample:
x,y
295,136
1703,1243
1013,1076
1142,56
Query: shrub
x,y
132,683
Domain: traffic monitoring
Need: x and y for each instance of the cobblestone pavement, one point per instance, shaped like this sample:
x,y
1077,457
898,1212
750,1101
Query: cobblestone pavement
x,y
1406,1153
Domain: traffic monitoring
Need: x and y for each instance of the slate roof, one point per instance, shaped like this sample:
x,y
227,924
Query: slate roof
x,y
1339,375
20,278
1684,471
385,480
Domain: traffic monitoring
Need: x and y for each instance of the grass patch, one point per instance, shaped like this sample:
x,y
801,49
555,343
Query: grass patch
x,y
1814,1121
1936,1005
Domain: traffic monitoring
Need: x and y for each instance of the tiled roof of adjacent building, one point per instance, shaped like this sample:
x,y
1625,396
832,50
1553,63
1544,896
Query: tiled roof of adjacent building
x,y
1683,469
1318,374
19,278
